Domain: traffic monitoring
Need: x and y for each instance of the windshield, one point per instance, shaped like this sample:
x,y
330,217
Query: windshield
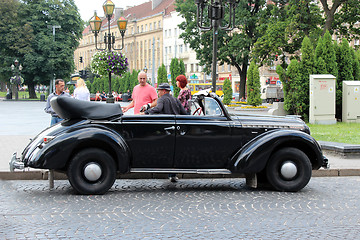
x,y
206,106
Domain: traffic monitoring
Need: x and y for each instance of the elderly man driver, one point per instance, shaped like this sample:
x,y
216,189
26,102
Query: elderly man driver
x,y
166,104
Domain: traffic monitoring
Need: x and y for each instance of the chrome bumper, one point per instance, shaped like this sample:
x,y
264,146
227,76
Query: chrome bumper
x,y
326,164
15,163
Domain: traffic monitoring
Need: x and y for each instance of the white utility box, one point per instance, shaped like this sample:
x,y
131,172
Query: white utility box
x,y
351,101
322,99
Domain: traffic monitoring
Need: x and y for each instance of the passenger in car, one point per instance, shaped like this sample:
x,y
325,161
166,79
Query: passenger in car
x,y
185,93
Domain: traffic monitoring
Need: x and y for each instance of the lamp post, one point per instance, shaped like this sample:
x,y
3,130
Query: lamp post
x,y
109,39
216,10
16,69
52,82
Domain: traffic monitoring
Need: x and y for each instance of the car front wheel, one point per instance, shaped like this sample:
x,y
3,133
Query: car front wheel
x,y
92,171
289,169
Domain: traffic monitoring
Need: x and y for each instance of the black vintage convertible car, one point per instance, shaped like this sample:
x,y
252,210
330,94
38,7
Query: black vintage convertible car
x,y
96,141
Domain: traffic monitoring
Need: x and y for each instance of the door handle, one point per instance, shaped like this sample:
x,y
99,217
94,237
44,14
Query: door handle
x,y
169,128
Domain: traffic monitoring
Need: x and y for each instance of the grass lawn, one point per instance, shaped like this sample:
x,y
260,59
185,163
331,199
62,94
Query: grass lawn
x,y
23,95
339,132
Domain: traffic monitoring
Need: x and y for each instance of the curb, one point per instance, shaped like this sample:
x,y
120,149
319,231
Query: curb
x,y
44,175
342,149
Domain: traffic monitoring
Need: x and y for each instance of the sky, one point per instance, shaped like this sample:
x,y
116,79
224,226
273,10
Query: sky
x,y
87,7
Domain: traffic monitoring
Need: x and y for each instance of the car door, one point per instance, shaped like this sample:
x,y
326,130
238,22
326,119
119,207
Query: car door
x,y
203,142
151,139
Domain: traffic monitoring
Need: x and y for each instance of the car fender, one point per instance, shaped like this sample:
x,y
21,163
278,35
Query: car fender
x,y
254,155
57,154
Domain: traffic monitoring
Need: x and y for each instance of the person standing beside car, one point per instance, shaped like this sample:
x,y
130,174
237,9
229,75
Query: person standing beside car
x,y
59,91
142,94
81,92
185,93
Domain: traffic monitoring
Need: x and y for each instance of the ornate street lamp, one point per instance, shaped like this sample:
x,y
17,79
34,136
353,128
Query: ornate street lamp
x,y
109,39
145,69
16,79
216,10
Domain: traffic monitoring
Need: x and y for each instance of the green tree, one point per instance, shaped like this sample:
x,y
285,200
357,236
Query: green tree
x,y
71,89
50,56
356,65
182,67
233,49
162,75
325,49
174,71
253,85
346,71
342,17
291,79
227,92
306,69
284,31
15,37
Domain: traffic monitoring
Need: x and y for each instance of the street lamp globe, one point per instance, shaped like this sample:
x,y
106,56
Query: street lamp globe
x,y
108,7
95,23
122,23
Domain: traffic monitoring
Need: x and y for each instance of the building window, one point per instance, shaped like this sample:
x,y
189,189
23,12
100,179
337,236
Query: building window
x,y
142,28
159,24
170,50
138,29
166,49
150,26
154,25
186,68
192,67
229,68
175,32
165,33
145,27
180,48
169,32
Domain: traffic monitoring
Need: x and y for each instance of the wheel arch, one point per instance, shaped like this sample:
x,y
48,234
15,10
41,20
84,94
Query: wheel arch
x,y
63,148
254,155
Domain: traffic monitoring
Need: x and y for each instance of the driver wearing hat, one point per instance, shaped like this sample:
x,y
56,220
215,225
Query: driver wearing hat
x,y
166,104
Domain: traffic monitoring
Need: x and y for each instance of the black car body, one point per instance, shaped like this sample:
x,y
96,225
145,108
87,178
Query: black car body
x,y
96,141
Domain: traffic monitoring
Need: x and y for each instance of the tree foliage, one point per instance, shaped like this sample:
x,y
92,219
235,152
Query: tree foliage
x,y
325,49
43,55
162,75
227,91
253,85
341,17
15,37
233,49
285,30
175,70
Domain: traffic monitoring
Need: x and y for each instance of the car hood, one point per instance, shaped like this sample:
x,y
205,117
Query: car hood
x,y
265,121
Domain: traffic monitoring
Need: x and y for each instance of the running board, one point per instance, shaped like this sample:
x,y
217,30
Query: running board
x,y
173,170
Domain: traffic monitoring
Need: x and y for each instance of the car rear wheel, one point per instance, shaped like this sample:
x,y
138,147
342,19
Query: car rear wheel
x,y
289,169
92,171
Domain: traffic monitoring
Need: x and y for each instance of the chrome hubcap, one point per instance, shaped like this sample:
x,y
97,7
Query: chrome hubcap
x,y
92,171
288,170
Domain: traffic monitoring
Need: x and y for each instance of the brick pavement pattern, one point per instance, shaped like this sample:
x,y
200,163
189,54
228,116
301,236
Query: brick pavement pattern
x,y
327,208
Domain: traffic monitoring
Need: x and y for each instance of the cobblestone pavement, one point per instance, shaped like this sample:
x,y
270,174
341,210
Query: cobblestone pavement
x,y
327,208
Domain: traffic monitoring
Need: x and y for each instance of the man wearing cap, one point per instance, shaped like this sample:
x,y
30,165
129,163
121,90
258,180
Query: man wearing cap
x,y
166,104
